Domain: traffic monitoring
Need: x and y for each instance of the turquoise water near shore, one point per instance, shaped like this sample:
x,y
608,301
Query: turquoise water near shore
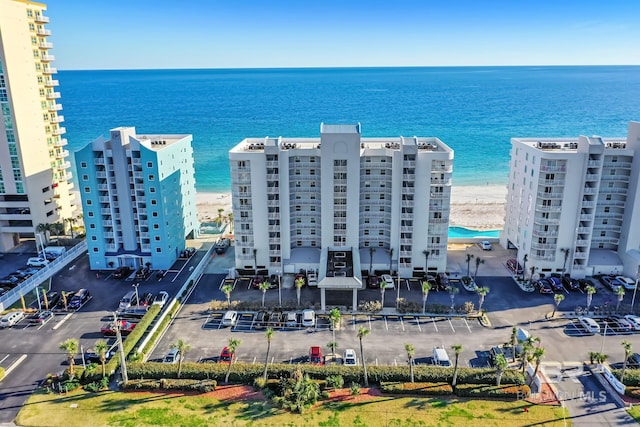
x,y
475,110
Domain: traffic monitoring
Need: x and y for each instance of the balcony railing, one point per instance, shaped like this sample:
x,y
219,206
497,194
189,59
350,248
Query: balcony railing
x,y
41,18
47,57
59,131
52,83
43,32
60,143
55,107
57,119
45,45
50,70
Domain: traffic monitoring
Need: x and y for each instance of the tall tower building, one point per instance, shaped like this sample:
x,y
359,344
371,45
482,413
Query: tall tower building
x,y
138,198
35,177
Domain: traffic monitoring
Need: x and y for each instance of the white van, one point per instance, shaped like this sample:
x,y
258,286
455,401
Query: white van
x,y
589,324
127,301
10,319
440,357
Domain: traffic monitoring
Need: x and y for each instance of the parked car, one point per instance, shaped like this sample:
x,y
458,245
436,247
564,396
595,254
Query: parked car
x,y
442,280
373,282
129,299
315,356
485,245
37,262
291,320
21,276
173,356
257,281
42,317
543,286
388,281
261,320
274,281
308,318
440,357
350,357
222,245
226,356
90,356
52,299
10,319
109,329
634,320
571,284
29,271
611,282
590,325
189,252
634,360
9,281
514,266
143,273
79,299
556,284
619,324
146,299
627,282
301,275
121,272
161,299
584,283
230,318
494,352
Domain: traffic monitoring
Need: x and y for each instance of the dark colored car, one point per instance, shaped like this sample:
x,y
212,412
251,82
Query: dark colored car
x,y
143,273
261,319
257,280
29,271
79,299
90,356
544,287
274,281
9,281
571,284
373,282
146,299
301,276
20,275
42,317
514,266
442,281
556,284
122,272
584,283
222,245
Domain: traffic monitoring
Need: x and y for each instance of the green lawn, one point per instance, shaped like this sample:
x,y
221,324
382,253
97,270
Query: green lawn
x,y
156,409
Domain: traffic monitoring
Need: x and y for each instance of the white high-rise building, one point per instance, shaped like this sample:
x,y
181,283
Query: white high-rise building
x,y
35,176
306,203
573,204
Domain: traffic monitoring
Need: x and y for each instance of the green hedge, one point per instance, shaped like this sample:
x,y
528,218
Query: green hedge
x,y
163,325
202,386
511,391
632,391
429,389
246,373
2,373
631,376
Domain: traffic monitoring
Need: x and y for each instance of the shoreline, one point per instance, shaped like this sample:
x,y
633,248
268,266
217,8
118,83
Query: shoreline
x,y
477,207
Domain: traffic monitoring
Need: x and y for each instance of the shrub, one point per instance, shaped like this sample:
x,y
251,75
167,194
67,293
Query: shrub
x,y
201,386
468,307
422,388
632,391
631,376
354,389
370,306
260,383
335,381
96,386
502,391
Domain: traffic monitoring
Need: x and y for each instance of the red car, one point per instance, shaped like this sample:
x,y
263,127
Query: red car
x,y
315,356
226,356
109,329
257,281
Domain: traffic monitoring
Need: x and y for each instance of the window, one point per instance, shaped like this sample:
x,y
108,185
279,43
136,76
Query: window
x,y
157,238
95,249
85,177
89,202
90,214
152,189
154,214
152,178
158,250
156,226
92,226
154,202
94,238
87,189
149,164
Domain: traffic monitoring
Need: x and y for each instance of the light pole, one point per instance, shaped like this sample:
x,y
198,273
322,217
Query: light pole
x,y
279,288
604,335
39,238
135,285
635,289
123,360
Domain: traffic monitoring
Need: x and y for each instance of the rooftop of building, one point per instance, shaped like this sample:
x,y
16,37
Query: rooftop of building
x,y
157,142
571,144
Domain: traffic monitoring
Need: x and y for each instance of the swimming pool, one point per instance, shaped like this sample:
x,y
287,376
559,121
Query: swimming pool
x,y
467,233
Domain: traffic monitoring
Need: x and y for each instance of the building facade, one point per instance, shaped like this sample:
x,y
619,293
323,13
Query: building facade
x,y
138,198
35,177
384,201
573,204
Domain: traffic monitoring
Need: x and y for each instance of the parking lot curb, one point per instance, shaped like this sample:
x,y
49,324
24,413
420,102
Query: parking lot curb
x,y
605,384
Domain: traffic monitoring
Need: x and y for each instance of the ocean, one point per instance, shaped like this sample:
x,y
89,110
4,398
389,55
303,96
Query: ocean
x,y
475,110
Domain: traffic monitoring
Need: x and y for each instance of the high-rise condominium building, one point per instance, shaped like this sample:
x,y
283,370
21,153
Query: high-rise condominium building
x,y
573,204
341,204
138,198
35,181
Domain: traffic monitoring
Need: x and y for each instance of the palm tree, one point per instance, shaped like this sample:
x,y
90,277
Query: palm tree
x,y
371,251
71,347
453,290
226,289
383,286
533,271
390,259
538,354
411,351
482,293
566,252
469,258
332,345
299,283
232,346
264,286
183,348
627,353
478,262
501,365
45,229
71,221
620,293
57,228
426,254
426,287
363,332
601,358
219,217
230,219
101,347
514,342
525,258
269,335
527,350
457,349
334,318
589,290
557,298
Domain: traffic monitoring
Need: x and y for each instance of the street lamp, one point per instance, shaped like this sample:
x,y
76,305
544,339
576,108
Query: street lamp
x,y
39,237
635,289
279,288
135,285
604,335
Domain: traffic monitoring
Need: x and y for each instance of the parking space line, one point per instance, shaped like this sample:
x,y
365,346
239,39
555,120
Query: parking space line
x,y
451,324
467,324
353,322
369,320
4,358
385,323
402,323
433,319
418,323
64,319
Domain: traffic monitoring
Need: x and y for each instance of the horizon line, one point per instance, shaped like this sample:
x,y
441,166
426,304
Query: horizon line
x,y
348,67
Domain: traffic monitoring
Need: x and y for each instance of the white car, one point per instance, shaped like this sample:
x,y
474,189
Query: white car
x,y
308,318
350,357
230,318
388,281
485,245
161,299
172,357
626,282
37,262
634,320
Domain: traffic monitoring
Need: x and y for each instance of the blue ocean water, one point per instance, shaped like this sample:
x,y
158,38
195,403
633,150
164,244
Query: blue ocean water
x,y
475,110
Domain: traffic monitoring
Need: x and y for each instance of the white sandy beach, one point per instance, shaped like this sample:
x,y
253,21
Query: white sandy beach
x,y
478,207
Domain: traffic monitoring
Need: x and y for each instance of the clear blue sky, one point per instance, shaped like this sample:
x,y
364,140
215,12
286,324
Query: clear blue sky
x,y
121,34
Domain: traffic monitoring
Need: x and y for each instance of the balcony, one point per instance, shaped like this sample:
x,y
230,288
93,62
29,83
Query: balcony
x,y
546,208
625,165
541,220
59,131
68,177
43,32
590,190
47,58
46,45
41,19
592,177
552,182
580,255
544,195
52,83
594,163
62,154
50,70
584,230
60,143
53,95
55,107
63,165
57,119
553,168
